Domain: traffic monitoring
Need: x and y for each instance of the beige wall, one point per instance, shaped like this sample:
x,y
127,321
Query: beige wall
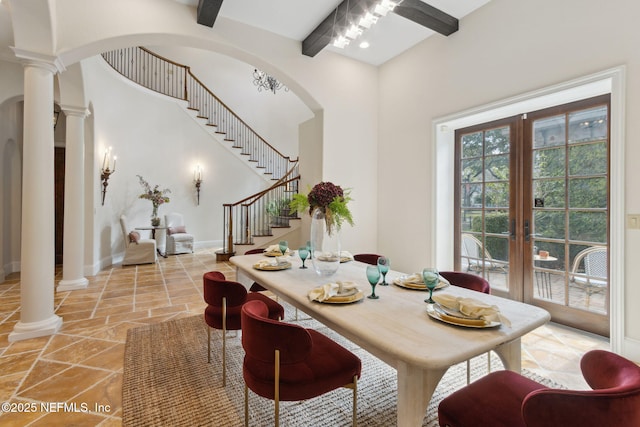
x,y
506,48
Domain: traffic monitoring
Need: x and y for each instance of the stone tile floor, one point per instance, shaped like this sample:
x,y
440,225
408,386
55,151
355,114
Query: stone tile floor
x,y
83,363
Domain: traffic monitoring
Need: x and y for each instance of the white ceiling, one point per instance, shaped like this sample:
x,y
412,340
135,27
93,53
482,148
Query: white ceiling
x,y
296,19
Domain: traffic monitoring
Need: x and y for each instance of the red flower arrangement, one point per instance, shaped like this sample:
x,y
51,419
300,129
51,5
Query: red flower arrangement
x,y
331,199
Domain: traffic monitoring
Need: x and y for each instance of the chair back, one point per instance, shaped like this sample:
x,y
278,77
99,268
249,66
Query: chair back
x,y
125,227
595,263
261,336
467,280
174,219
595,260
254,251
614,400
367,258
216,287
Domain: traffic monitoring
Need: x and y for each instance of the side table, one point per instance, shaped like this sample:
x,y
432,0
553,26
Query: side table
x,y
153,229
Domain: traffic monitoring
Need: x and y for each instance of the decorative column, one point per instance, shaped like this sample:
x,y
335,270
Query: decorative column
x,y
37,317
73,256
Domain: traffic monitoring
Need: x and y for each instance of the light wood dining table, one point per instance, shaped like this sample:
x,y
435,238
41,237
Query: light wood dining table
x,y
397,329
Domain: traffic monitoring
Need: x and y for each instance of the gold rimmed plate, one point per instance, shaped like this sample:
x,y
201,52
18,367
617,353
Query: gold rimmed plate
x,y
272,267
435,312
401,281
276,253
347,297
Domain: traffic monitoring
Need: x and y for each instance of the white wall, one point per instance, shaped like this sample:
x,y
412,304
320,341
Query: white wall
x,y
153,136
275,117
504,49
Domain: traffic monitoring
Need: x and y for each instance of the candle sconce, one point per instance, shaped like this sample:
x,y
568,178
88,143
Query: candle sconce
x,y
197,180
107,169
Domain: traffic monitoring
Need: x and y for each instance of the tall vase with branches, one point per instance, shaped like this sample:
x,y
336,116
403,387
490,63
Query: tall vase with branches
x,y
156,196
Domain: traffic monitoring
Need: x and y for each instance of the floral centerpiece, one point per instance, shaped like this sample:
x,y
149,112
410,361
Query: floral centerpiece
x,y
331,199
156,196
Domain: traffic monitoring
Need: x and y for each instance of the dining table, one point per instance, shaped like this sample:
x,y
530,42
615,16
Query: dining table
x,y
397,328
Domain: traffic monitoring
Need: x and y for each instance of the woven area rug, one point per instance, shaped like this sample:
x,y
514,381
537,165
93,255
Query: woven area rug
x,y
168,382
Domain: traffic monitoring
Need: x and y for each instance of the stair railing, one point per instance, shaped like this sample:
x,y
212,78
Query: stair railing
x,y
176,80
257,214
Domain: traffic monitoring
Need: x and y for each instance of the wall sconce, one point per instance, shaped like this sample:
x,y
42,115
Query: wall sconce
x,y
197,180
107,169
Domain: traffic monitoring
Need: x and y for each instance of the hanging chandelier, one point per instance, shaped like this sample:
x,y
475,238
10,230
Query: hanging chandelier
x,y
264,81
355,26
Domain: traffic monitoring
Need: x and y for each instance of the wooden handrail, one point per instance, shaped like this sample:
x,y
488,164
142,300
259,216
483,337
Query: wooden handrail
x,y
185,97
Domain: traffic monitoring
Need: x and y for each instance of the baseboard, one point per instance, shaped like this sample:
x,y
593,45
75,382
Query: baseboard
x,y
631,349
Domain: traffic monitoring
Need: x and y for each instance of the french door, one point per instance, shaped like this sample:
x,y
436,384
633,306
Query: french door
x,y
532,209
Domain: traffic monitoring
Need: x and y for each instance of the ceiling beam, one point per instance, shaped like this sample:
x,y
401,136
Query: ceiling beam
x,y
339,19
427,16
208,11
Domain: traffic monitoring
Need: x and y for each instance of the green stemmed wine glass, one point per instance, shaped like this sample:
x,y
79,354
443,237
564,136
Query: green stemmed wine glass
x,y
430,277
283,245
373,276
383,266
304,253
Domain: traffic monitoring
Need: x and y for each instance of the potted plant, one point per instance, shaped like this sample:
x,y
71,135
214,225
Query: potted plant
x,y
279,211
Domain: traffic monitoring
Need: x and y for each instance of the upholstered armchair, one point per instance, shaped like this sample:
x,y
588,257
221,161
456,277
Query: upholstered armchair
x,y
136,249
286,362
178,240
224,300
507,399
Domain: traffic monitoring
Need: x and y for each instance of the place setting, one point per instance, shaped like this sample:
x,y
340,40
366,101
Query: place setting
x,y
340,292
460,311
278,260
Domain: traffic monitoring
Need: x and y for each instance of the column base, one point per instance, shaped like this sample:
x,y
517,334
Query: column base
x,y
25,331
72,285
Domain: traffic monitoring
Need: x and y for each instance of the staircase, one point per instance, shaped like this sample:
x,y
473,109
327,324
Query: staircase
x,y
176,80
256,220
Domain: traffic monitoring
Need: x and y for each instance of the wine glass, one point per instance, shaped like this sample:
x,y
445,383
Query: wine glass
x,y
304,253
373,276
430,277
283,245
383,266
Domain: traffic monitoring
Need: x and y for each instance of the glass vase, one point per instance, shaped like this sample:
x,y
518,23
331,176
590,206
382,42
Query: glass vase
x,y
325,246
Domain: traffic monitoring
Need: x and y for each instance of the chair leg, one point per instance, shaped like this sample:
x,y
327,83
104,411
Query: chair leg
x,y
468,371
355,401
224,342
276,391
208,344
246,405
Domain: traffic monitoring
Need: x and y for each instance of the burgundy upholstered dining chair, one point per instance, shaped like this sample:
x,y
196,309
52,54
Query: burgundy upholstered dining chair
x,y
507,399
286,362
224,302
367,258
256,287
475,283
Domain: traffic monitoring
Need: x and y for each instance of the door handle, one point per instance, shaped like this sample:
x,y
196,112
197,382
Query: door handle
x,y
527,233
513,229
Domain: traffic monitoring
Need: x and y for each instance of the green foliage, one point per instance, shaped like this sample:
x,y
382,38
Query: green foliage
x,y
279,207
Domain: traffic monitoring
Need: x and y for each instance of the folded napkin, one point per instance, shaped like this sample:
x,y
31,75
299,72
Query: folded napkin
x,y
324,292
275,248
472,308
266,263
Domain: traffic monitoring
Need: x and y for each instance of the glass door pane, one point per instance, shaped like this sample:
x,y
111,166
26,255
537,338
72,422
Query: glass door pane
x,y
568,269
484,191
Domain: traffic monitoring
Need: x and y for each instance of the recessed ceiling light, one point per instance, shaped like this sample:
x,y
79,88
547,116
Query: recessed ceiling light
x,y
364,45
